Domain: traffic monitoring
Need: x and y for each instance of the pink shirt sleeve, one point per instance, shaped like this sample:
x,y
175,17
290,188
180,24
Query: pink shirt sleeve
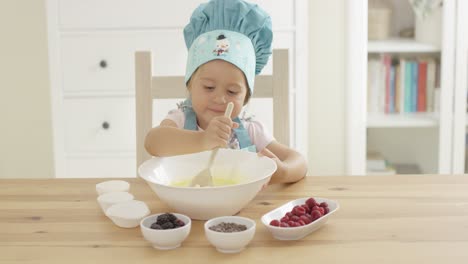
x,y
177,116
259,134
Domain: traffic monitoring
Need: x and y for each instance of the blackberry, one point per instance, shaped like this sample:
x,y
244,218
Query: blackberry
x,y
155,226
168,225
171,217
164,218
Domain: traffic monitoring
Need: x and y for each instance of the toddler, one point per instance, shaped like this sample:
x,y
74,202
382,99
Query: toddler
x,y
229,42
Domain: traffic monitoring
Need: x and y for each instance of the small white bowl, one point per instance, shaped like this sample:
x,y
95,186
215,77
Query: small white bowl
x,y
296,233
165,239
112,186
108,199
230,242
128,214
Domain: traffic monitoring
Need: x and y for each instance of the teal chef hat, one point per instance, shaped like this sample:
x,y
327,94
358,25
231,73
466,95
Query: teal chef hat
x,y
232,30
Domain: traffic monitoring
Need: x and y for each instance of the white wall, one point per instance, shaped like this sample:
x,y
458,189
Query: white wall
x,y
326,93
25,119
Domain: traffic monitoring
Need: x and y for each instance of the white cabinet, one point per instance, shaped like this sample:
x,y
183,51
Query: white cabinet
x,y
433,141
91,54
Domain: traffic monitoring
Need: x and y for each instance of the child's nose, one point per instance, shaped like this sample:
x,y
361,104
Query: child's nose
x,y
220,98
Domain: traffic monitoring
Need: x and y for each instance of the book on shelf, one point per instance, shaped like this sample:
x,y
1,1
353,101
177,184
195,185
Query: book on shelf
x,y
402,84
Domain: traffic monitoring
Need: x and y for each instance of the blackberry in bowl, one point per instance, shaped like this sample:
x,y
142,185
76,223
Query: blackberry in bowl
x,y
166,230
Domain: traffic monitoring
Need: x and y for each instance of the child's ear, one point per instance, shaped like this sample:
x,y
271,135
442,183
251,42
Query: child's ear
x,y
189,89
247,97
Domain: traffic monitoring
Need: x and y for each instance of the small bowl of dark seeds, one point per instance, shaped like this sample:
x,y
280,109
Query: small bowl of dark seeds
x,y
230,234
166,230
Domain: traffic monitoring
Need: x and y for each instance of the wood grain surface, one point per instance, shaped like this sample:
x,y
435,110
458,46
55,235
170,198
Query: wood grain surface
x,y
382,219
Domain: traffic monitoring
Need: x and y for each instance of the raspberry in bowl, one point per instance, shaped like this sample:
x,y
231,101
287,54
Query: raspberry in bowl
x,y
166,230
298,218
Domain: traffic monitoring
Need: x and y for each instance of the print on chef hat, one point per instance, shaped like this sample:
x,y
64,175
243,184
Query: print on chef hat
x,y
222,45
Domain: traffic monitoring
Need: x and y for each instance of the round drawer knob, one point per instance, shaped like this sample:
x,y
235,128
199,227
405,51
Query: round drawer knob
x,y
103,64
105,125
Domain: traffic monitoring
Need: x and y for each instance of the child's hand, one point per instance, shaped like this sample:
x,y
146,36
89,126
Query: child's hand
x,y
218,132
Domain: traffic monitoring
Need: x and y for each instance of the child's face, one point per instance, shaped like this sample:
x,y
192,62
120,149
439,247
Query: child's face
x,y
213,86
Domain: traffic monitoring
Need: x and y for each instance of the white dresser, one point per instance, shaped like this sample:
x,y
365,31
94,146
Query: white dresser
x,y
91,53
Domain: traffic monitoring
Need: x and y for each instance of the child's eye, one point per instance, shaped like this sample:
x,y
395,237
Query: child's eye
x,y
209,87
233,92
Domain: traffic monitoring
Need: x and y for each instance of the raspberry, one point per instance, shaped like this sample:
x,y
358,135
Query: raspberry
x,y
296,224
311,202
303,214
299,211
306,219
275,223
323,204
295,218
322,210
179,223
316,215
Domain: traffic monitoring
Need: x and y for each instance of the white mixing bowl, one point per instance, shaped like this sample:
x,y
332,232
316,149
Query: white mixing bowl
x,y
169,177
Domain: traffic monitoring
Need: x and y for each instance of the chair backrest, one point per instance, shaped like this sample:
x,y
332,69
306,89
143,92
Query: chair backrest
x,y
149,87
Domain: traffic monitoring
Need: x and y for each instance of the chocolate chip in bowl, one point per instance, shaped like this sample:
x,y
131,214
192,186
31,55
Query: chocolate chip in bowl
x,y
228,227
230,234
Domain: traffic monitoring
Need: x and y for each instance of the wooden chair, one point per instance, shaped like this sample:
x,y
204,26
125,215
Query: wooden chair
x,y
149,87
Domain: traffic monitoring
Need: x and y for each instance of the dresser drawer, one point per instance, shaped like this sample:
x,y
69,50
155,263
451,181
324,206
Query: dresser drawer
x,y
103,125
101,167
110,14
104,62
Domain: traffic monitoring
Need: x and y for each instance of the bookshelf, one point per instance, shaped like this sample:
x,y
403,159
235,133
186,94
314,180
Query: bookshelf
x,y
381,120
400,45
433,141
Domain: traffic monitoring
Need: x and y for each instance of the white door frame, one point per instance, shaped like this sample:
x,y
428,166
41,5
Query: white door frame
x,y
355,86
460,93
